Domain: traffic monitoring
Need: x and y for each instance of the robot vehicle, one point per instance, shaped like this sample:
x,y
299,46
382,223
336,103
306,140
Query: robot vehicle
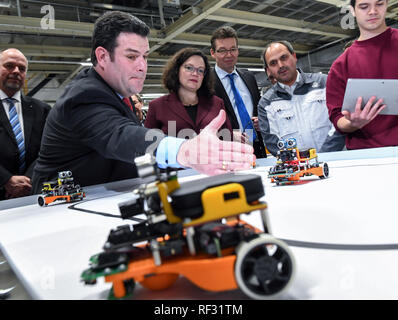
x,y
193,230
292,164
61,189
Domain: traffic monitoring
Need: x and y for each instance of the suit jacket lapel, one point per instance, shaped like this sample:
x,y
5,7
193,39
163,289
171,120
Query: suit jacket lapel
x,y
6,123
243,75
28,118
177,107
220,90
121,105
204,106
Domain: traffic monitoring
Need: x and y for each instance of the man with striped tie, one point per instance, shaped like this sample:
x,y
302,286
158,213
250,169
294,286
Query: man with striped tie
x,y
22,120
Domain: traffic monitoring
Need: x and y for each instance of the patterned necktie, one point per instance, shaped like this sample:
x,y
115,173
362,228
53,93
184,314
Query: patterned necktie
x,y
243,114
16,128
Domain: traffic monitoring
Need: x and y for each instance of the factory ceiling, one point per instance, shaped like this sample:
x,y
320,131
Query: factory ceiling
x,y
58,49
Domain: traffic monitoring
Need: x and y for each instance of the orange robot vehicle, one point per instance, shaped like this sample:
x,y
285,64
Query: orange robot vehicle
x,y
62,189
194,230
292,164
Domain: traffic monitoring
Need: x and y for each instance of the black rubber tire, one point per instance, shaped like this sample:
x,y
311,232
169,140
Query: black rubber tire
x,y
41,201
264,267
325,171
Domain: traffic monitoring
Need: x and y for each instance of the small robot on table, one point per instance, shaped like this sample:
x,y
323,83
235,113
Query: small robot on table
x,y
62,189
292,164
194,230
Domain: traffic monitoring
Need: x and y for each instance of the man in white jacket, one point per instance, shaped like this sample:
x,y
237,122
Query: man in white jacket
x,y
295,107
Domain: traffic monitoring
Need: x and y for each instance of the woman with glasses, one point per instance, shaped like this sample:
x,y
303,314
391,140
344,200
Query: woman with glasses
x,y
191,103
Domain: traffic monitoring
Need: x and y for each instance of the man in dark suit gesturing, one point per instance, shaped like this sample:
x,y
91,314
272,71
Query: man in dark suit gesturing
x,y
92,130
237,87
21,125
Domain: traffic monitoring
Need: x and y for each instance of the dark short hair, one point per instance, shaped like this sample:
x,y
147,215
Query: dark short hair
x,y
353,2
171,72
287,44
108,27
223,33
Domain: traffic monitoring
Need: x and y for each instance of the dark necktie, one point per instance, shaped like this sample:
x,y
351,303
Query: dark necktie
x,y
16,128
243,114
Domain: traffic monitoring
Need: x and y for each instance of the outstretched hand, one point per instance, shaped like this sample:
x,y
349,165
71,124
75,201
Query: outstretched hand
x,y
208,154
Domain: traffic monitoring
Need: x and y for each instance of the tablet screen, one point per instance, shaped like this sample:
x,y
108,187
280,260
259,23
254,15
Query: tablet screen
x,y
366,88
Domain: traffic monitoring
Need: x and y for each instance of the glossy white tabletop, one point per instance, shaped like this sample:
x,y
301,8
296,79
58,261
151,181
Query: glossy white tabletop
x,y
341,230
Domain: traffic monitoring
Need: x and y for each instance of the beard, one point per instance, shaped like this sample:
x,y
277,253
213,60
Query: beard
x,y
287,76
14,85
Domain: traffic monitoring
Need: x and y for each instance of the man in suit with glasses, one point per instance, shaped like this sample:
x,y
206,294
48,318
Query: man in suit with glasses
x,y
237,87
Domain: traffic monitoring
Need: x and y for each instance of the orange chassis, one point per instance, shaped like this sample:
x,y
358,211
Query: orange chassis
x,y
293,164
68,198
295,176
205,271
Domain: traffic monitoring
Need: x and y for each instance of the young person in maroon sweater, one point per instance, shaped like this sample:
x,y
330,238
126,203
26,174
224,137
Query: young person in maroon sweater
x,y
372,56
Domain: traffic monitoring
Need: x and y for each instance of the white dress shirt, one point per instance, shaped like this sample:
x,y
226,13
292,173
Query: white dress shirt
x,y
18,106
241,87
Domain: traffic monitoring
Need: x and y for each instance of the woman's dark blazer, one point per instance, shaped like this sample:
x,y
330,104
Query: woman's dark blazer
x,y
170,108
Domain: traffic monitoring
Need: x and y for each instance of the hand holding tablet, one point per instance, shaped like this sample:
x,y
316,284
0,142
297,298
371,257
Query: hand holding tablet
x,y
362,116
386,89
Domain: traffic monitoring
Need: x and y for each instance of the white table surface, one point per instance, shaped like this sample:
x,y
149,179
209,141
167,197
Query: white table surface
x,y
342,231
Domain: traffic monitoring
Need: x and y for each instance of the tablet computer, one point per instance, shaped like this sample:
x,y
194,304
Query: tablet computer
x,y
366,88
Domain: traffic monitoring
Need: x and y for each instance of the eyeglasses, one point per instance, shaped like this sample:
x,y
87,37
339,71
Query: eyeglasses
x,y
225,51
192,69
